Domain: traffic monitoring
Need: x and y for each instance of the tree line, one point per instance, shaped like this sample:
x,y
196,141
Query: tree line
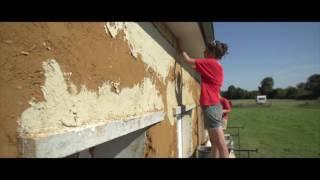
x,y
304,90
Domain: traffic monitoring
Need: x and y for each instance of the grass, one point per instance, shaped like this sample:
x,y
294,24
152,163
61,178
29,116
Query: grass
x,y
284,129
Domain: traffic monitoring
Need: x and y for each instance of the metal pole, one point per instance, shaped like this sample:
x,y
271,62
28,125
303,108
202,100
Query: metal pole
x,y
179,135
238,138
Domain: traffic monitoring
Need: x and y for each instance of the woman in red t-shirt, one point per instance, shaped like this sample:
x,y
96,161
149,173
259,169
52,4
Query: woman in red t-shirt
x,y
211,73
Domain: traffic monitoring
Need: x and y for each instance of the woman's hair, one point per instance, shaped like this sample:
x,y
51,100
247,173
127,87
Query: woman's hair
x,y
217,48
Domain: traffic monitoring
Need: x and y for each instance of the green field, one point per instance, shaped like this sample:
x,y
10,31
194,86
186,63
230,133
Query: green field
x,y
282,129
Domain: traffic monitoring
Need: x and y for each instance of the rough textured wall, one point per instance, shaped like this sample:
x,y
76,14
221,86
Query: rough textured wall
x,y
59,76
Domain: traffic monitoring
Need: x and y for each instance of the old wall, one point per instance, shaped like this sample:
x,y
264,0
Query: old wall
x,y
59,76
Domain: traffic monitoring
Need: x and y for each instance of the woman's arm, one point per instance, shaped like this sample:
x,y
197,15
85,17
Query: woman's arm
x,y
189,60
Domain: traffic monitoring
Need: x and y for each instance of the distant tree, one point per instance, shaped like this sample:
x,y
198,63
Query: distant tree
x,y
253,94
266,86
236,93
292,92
247,95
303,90
224,94
304,94
231,92
241,93
301,85
272,94
279,93
313,85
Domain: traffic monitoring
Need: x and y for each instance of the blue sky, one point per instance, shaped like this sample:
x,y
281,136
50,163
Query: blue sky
x,y
287,51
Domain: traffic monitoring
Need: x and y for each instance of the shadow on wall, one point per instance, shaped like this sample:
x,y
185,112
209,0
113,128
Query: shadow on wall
x,y
157,36
178,83
178,68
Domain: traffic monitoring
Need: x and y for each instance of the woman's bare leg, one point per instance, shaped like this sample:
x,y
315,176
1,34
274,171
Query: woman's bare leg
x,y
218,143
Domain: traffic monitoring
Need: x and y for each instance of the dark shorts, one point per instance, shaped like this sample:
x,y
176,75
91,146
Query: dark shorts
x,y
212,116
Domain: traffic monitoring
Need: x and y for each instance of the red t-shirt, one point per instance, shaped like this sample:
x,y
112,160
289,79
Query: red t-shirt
x,y
225,106
211,73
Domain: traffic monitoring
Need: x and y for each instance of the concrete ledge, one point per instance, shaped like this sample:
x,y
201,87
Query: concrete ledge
x,y
182,109
81,138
